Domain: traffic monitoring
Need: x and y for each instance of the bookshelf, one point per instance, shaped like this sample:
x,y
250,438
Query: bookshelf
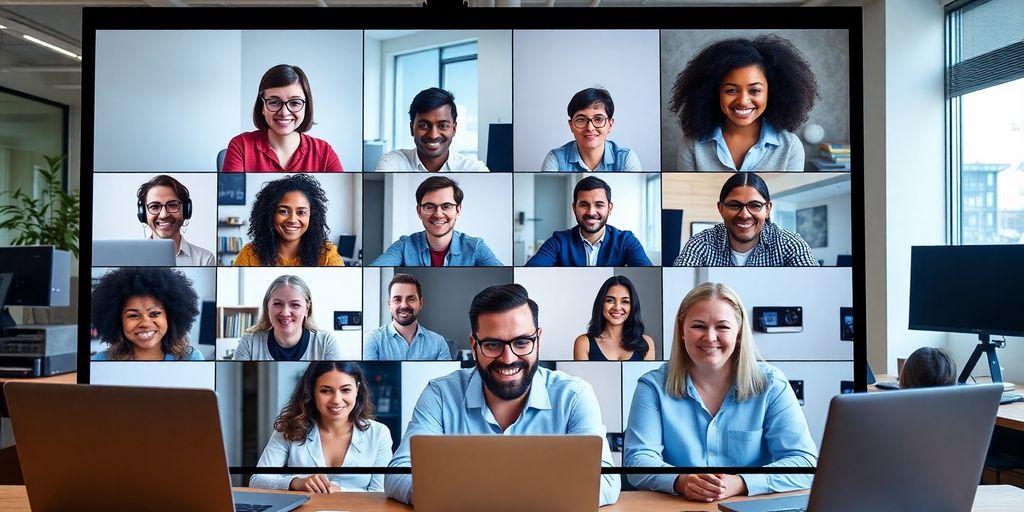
x,y
232,321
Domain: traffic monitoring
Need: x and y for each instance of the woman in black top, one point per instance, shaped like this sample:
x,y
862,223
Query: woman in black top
x,y
616,330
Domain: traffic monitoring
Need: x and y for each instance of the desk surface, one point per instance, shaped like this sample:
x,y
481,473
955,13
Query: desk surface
x,y
990,498
1009,415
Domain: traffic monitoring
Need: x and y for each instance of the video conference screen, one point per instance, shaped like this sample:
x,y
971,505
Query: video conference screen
x,y
273,188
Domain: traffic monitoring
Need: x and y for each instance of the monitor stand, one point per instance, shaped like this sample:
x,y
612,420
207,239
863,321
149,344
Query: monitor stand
x,y
988,347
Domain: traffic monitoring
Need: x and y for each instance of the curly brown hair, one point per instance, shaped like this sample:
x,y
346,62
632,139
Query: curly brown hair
x,y
300,414
172,288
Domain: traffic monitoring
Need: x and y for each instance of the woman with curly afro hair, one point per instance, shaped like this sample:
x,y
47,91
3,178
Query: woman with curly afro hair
x,y
145,313
721,99
288,226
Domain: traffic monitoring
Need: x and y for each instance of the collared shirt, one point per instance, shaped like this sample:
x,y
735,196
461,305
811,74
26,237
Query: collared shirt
x,y
251,152
775,150
193,256
765,430
386,343
409,160
413,251
194,355
253,347
592,249
775,247
369,448
454,404
567,158
564,249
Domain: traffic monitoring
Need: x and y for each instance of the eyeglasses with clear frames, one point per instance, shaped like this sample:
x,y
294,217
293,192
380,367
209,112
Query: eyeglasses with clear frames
x,y
430,208
581,122
274,104
752,207
520,346
171,206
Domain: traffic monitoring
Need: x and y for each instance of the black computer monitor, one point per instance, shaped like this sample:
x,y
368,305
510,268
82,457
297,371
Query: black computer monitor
x,y
37,275
347,246
208,323
970,289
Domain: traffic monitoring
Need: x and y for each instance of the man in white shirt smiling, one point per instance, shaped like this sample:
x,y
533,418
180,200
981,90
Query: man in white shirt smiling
x,y
432,124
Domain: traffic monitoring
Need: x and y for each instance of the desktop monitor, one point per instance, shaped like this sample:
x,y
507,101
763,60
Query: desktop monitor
x,y
513,73
961,288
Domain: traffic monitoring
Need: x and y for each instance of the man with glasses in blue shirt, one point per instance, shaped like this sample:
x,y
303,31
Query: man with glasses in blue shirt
x,y
747,236
507,393
438,204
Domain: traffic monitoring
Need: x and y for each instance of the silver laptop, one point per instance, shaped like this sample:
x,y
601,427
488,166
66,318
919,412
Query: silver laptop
x,y
534,473
126,448
133,253
915,449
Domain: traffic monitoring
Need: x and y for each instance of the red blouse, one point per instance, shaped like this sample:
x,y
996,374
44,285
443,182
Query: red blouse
x,y
251,152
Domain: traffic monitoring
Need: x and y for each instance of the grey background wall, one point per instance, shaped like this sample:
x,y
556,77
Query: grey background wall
x,y
171,100
549,68
827,51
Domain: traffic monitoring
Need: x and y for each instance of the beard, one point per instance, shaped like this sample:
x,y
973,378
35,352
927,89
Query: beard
x,y
508,390
407,321
601,221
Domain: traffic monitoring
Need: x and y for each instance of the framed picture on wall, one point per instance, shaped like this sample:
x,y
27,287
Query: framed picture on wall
x,y
697,227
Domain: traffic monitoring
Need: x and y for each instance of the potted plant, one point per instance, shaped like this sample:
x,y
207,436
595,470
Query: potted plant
x,y
52,219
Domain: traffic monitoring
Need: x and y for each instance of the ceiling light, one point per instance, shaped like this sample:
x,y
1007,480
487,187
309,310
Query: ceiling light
x,y
53,47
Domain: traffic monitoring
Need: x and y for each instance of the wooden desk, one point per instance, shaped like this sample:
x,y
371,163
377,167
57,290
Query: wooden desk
x,y
990,498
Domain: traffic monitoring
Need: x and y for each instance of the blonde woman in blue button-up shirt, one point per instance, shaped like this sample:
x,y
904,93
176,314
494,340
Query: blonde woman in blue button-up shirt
x,y
715,404
327,422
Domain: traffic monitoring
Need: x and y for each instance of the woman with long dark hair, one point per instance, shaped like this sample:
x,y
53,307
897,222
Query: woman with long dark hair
x,y
616,330
327,422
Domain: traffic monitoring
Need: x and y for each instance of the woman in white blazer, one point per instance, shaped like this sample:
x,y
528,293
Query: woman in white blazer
x,y
327,422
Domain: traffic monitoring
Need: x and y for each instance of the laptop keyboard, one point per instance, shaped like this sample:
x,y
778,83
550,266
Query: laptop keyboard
x,y
250,507
1009,397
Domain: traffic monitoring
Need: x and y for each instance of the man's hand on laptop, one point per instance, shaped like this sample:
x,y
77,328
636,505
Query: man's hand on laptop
x,y
316,484
709,487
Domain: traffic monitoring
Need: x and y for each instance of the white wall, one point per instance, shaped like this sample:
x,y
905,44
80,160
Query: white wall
x,y
840,230
344,211
549,69
115,207
333,289
486,208
171,100
914,148
606,378
157,374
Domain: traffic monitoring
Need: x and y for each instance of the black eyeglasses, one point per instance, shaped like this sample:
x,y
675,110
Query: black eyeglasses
x,y
581,122
520,346
274,104
752,207
155,207
430,208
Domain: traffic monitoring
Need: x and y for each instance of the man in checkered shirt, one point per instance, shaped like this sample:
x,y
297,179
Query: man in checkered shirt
x,y
747,236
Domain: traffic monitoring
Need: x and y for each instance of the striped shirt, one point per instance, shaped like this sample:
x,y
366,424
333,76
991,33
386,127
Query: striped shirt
x,y
775,247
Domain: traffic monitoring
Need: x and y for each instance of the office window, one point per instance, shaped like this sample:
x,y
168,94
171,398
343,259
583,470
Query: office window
x,y
453,68
985,121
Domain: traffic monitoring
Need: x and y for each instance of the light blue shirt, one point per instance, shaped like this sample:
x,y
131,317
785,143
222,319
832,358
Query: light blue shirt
x,y
767,430
369,448
454,404
413,251
385,343
775,150
592,250
567,158
195,355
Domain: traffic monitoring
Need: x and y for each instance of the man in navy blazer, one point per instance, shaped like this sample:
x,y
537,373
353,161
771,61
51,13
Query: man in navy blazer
x,y
591,243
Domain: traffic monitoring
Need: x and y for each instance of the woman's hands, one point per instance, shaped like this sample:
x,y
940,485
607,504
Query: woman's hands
x,y
316,484
710,487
